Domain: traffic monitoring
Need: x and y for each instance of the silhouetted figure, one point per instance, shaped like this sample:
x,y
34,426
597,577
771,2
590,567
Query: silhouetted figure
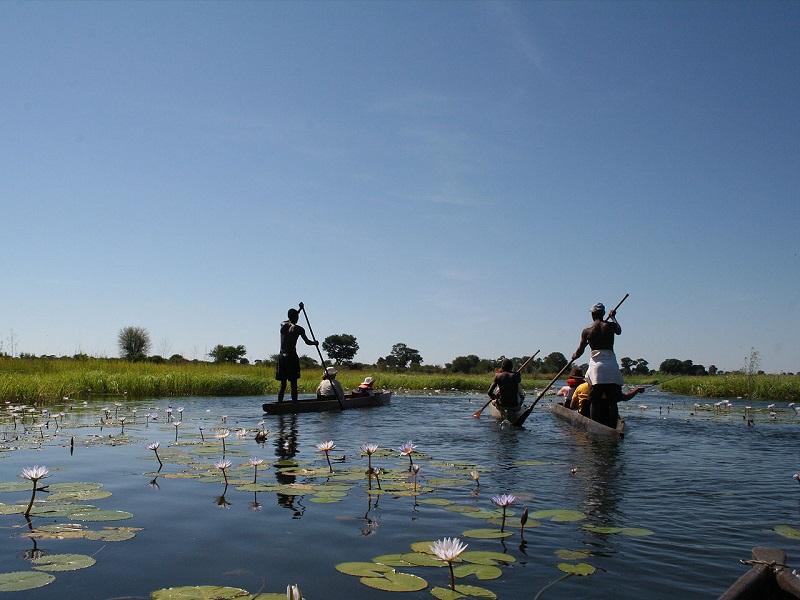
x,y
288,367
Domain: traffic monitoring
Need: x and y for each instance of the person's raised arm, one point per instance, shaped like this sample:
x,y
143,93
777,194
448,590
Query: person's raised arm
x,y
612,318
305,337
491,391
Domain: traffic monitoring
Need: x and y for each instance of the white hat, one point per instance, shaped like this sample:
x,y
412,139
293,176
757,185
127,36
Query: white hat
x,y
367,381
330,371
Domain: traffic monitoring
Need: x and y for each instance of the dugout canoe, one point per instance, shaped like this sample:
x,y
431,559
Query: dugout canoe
x,y
768,578
315,405
510,414
591,427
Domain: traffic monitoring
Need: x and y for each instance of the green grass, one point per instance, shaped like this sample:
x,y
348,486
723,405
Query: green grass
x,y
46,380
757,387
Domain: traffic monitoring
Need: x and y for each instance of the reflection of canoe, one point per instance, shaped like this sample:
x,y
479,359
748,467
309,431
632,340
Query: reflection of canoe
x,y
766,579
592,427
314,405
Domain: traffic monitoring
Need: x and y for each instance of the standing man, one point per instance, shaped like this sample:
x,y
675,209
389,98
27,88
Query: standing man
x,y
603,374
288,367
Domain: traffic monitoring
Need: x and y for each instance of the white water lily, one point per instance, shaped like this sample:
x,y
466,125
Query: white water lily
x,y
254,462
504,501
326,446
154,446
408,448
223,464
222,434
448,550
369,449
35,473
797,477
293,592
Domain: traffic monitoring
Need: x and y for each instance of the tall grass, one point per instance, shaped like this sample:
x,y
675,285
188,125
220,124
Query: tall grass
x,y
46,380
752,387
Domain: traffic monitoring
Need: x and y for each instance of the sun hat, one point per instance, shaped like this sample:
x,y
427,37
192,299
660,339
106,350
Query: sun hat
x,y
330,371
368,381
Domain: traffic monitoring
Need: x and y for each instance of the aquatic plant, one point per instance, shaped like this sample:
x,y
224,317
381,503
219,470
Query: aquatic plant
x,y
504,501
34,474
796,476
221,435
154,447
408,449
222,465
476,477
255,462
326,447
448,550
522,520
176,424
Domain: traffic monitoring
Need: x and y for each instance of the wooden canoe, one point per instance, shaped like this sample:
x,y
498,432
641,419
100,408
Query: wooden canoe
x,y
592,427
510,414
767,579
315,405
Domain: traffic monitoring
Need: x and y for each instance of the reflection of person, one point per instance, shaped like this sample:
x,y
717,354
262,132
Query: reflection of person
x,y
286,445
288,366
505,388
365,387
573,381
603,373
329,388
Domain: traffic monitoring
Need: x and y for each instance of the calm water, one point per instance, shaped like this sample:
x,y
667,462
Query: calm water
x,y
707,486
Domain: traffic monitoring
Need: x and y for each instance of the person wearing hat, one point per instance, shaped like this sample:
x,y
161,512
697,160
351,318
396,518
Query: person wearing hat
x,y
603,374
573,381
287,369
365,387
329,388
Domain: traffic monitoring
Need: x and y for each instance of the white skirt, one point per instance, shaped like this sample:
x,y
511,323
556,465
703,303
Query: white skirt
x,y
603,368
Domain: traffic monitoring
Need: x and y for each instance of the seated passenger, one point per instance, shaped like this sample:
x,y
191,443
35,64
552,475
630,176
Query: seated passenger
x,y
573,381
365,387
329,388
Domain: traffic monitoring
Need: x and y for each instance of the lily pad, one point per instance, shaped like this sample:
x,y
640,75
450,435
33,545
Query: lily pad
x,y
636,532
462,591
199,592
421,559
483,557
93,494
15,486
392,560
486,534
436,501
559,515
573,554
787,531
581,569
363,569
101,515
603,530
446,594
424,547
63,562
396,582
113,534
324,499
480,571
74,486
12,509
529,463
19,581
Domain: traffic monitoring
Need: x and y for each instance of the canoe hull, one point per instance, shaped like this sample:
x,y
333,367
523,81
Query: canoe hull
x,y
314,405
585,423
510,414
765,582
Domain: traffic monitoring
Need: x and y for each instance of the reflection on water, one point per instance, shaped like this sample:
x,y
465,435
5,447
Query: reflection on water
x,y
286,449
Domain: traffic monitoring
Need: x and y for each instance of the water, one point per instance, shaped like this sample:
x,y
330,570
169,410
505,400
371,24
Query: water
x,y
706,485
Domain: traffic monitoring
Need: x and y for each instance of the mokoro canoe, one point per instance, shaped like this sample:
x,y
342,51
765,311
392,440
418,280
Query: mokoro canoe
x,y
592,427
510,414
314,405
767,579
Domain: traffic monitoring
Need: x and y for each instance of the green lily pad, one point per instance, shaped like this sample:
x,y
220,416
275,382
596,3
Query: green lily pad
x,y
446,594
636,532
424,547
462,591
19,581
101,515
787,532
581,569
392,560
74,486
573,554
12,509
486,534
436,501
421,559
113,534
483,557
559,515
603,530
529,463
79,495
458,508
15,486
63,562
270,596
200,592
480,571
396,582
324,499
363,569
514,524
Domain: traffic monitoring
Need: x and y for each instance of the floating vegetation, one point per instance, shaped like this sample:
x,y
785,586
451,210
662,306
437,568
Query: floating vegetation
x,y
201,592
573,554
626,531
787,531
486,534
559,515
19,581
392,581
581,569
63,562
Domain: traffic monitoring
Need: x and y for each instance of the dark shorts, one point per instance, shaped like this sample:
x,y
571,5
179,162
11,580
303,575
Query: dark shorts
x,y
603,403
288,367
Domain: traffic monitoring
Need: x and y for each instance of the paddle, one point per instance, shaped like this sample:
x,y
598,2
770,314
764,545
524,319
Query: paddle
x,y
520,420
321,360
477,413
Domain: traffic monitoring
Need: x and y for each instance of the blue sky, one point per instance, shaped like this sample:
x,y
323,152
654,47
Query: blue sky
x,y
466,178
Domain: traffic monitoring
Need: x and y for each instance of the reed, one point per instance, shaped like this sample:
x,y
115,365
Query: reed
x,y
735,385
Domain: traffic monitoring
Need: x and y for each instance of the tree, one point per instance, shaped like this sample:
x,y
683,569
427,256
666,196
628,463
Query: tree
x,y
671,366
341,347
464,364
554,362
712,370
626,362
641,367
230,354
403,356
134,343
306,362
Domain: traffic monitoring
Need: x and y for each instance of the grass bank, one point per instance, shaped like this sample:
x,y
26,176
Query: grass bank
x,y
756,387
44,380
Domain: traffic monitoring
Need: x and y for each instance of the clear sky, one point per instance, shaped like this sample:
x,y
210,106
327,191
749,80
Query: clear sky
x,y
463,177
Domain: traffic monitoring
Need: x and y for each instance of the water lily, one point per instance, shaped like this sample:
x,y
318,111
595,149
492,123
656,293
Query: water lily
x,y
415,470
222,465
407,449
34,474
326,447
221,435
154,447
797,477
476,477
122,423
202,437
254,462
176,424
293,592
448,550
504,501
369,450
